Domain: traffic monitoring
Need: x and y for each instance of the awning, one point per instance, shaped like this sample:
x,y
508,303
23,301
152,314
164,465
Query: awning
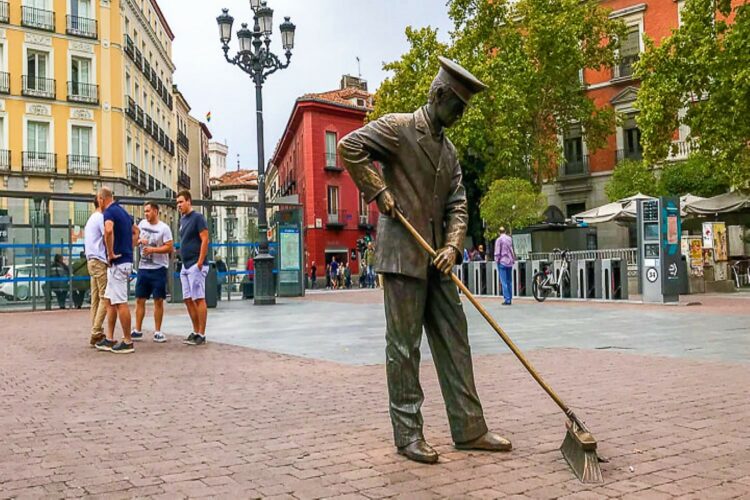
x,y
721,204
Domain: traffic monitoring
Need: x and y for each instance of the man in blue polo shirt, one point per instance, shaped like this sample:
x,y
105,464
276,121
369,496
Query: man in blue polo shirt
x,y
120,236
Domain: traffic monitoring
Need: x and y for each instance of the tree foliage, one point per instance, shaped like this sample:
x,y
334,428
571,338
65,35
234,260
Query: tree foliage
x,y
631,177
529,53
513,203
694,176
700,77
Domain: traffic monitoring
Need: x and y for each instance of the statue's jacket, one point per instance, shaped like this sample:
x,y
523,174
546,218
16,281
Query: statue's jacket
x,y
423,173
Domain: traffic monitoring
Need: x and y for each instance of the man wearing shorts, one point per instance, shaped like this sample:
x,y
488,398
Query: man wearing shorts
x,y
155,242
120,236
193,251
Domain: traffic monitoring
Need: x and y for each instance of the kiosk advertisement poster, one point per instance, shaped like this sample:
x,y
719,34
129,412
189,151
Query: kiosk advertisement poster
x,y
720,242
522,245
289,243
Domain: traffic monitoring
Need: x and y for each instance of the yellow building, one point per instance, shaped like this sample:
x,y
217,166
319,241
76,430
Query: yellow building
x,y
85,97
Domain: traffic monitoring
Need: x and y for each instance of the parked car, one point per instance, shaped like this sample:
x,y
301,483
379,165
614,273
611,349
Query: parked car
x,y
23,288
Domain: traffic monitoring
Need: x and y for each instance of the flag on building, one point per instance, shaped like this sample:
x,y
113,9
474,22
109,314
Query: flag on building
x,y
208,116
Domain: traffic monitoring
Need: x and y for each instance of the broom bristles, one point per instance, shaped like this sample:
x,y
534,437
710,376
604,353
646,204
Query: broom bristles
x,y
583,462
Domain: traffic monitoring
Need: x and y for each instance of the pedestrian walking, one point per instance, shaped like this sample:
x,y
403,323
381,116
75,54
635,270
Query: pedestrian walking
x,y
341,275
120,236
81,280
334,272
96,262
221,275
347,276
370,262
60,275
313,275
193,249
505,257
155,243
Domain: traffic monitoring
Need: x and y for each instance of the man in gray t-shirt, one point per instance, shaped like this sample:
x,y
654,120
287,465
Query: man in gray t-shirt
x,y
193,251
155,244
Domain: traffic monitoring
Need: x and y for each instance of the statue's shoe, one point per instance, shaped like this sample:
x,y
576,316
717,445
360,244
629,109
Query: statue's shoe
x,y
488,442
419,451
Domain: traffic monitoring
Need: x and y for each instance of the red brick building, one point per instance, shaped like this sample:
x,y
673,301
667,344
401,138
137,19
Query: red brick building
x,y
305,164
584,174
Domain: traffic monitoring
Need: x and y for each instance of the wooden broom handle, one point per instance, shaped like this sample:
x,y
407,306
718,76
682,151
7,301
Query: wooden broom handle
x,y
525,362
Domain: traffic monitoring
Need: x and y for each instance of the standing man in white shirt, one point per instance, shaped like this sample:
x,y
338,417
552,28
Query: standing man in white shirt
x,y
96,261
156,244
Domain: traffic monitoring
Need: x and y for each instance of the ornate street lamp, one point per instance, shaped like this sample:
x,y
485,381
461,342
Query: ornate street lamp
x,y
256,59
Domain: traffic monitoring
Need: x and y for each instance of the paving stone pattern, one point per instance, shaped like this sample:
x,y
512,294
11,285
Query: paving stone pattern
x,y
171,421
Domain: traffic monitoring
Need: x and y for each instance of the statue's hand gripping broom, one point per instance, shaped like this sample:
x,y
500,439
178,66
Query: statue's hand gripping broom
x,y
579,446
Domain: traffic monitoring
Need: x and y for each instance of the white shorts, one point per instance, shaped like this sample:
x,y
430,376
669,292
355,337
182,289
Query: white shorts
x,y
193,282
118,277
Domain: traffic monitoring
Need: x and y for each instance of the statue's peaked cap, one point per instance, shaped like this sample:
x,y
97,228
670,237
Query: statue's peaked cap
x,y
463,83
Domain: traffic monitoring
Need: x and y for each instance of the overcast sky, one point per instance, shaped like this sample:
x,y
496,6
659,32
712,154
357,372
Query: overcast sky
x,y
330,36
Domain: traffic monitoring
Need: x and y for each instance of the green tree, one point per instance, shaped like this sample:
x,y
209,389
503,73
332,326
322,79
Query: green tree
x,y
529,53
513,203
700,77
694,176
631,177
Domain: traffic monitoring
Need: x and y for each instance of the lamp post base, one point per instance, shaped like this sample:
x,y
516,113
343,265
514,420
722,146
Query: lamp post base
x,y
265,282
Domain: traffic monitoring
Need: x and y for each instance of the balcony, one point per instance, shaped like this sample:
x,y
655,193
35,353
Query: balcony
x,y
146,68
183,179
332,164
4,12
182,140
136,176
130,110
138,58
368,221
206,161
151,184
83,92
206,192
81,26
37,18
129,46
574,167
139,115
38,87
4,160
153,78
624,70
4,82
627,154
83,165
39,163
336,221
680,150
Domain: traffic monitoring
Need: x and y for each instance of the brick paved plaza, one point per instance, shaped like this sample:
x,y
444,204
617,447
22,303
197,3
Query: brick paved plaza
x,y
233,422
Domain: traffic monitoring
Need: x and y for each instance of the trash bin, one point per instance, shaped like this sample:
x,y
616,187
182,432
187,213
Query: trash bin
x,y
212,282
176,295
248,291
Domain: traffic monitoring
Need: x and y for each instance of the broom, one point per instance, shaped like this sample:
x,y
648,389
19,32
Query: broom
x,y
579,446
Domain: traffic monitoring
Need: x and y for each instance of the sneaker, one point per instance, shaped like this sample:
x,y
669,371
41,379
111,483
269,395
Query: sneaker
x,y
190,338
123,348
136,335
95,339
105,344
159,337
198,340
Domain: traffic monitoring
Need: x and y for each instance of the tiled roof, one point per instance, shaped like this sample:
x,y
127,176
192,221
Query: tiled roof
x,y
349,97
236,178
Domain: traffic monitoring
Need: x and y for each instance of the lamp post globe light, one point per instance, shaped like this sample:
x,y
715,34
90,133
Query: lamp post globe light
x,y
256,59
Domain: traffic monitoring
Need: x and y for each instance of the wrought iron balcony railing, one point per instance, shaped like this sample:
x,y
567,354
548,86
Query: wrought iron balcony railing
x,y
138,58
4,12
38,87
37,18
182,140
83,92
129,46
136,176
628,154
4,160
81,26
4,82
83,165
574,166
36,162
183,179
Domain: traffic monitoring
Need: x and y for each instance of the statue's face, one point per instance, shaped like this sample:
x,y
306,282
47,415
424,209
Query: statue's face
x,y
449,108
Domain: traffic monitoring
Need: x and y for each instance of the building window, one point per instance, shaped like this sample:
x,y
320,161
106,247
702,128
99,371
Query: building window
x,y
575,161
81,140
35,81
80,86
333,204
36,158
81,161
331,149
630,49
572,209
631,140
364,209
